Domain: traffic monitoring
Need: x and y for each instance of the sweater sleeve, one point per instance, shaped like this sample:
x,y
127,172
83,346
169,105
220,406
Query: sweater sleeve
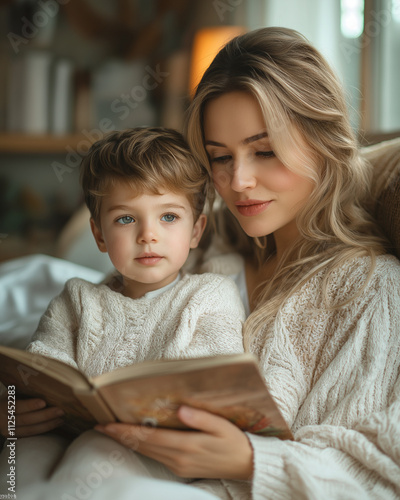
x,y
332,462
347,428
219,316
55,336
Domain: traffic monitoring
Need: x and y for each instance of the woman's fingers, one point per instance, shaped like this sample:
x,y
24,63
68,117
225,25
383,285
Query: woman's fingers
x,y
203,420
132,435
169,447
137,436
216,449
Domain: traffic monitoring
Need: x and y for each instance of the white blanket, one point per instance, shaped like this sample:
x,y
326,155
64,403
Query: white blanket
x,y
27,285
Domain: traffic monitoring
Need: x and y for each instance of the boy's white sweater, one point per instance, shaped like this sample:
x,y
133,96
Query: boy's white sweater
x,y
96,330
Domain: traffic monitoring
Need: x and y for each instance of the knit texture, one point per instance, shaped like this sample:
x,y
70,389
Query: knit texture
x,y
96,330
335,376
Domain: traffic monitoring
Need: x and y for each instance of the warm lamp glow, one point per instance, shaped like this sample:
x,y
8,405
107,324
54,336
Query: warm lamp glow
x,y
206,44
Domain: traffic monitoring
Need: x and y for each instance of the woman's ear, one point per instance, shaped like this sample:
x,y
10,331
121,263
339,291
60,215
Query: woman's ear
x,y
98,236
198,230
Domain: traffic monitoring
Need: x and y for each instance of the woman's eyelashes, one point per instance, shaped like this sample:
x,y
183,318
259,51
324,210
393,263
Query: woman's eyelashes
x,y
265,154
226,158
221,159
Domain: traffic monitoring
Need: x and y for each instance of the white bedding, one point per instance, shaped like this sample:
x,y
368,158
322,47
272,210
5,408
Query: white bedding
x,y
27,285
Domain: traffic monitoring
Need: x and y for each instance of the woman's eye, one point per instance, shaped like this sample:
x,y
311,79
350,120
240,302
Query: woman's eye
x,y
169,218
221,159
265,154
126,219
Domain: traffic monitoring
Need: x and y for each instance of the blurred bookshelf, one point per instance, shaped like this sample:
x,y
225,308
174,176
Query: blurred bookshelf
x,y
20,143
85,69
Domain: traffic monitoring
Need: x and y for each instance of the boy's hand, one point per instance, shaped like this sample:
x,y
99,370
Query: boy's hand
x,y
31,417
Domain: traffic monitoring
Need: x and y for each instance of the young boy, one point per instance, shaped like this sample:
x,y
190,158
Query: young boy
x,y
146,193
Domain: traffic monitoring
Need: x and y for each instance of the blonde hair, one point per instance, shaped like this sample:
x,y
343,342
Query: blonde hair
x,y
149,160
305,114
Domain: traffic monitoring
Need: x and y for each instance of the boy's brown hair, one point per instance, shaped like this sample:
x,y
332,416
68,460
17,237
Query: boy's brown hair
x,y
149,159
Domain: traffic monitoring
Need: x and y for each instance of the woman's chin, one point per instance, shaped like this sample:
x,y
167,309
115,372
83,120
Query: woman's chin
x,y
254,233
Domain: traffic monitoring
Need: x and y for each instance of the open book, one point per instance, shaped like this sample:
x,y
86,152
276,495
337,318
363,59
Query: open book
x,y
148,393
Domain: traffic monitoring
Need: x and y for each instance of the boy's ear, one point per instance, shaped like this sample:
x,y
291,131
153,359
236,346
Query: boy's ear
x,y
98,236
198,230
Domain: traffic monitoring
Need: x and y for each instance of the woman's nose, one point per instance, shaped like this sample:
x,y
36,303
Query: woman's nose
x,y
242,177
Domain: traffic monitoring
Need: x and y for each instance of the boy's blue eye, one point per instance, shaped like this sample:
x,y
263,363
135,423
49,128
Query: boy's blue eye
x,y
126,219
169,218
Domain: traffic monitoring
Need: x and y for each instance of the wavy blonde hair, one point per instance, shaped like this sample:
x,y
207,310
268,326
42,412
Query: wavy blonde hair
x,y
305,113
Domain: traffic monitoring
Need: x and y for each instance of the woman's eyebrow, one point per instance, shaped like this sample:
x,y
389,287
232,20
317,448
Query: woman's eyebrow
x,y
254,138
214,143
248,140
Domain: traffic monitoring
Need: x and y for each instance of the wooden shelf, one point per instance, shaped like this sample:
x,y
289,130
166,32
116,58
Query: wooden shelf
x,y
39,144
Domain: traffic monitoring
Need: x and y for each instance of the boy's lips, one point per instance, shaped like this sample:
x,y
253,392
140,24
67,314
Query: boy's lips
x,y
249,208
147,259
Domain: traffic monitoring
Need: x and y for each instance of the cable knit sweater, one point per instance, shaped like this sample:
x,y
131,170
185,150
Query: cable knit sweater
x,y
96,329
336,378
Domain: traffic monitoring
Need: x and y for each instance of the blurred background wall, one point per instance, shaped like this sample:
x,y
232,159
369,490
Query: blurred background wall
x,y
72,70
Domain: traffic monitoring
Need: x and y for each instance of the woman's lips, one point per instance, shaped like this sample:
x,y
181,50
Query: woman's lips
x,y
249,208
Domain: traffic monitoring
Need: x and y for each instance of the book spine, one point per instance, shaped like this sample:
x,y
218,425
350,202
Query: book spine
x,y
36,79
62,97
82,113
15,97
93,402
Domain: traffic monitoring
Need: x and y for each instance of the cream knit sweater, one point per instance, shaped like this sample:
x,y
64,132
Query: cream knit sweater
x,y
95,329
336,378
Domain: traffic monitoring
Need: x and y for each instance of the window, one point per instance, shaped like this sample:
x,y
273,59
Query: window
x,y
360,39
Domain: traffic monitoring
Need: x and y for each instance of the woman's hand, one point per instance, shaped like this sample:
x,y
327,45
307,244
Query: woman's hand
x,y
219,450
31,417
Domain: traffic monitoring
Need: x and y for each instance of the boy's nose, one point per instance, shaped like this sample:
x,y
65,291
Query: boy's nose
x,y
147,234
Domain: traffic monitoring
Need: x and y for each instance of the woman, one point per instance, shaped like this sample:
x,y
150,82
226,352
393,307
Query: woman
x,y
269,119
